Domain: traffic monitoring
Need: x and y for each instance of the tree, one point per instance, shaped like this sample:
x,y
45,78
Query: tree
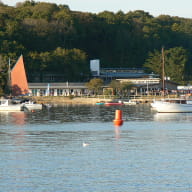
x,y
177,58
95,85
175,63
115,85
154,62
71,62
119,88
4,86
44,10
125,88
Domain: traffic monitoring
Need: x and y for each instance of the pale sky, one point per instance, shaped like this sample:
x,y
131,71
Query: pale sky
x,y
181,8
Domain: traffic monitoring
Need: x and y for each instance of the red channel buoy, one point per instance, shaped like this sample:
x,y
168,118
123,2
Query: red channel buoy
x,y
118,118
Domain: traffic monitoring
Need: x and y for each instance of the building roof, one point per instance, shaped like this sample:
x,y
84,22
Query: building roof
x,y
122,75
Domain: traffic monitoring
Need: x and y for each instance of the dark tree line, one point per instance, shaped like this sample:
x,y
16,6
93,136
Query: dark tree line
x,y
53,38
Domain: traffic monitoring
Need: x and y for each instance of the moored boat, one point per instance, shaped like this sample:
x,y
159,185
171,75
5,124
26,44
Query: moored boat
x,y
111,104
172,106
100,103
30,105
130,102
6,105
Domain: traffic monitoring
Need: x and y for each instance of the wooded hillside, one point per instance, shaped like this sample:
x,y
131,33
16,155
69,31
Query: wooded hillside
x,y
53,38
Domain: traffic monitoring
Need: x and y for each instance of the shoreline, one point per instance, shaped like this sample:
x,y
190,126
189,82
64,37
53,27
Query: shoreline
x,y
67,100
82,100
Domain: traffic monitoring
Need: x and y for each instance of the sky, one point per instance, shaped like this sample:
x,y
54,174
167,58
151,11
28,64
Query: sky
x,y
154,7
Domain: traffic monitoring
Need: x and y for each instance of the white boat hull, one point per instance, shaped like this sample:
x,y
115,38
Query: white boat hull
x,y
33,106
10,108
129,103
6,105
167,107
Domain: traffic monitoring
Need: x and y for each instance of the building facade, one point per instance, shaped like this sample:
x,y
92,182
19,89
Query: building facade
x,y
58,89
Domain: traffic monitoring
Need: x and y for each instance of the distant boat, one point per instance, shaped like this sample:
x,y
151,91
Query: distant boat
x,y
172,106
130,102
111,104
6,105
30,105
100,103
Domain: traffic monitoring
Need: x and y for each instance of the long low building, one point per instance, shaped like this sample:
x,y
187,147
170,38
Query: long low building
x,y
141,86
57,89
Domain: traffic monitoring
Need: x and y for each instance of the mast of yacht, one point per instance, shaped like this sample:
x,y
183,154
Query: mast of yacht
x,y
163,71
9,77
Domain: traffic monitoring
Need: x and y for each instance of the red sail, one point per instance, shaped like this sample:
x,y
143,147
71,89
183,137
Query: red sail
x,y
19,82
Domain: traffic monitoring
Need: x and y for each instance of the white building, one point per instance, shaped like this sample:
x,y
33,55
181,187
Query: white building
x,y
95,67
57,89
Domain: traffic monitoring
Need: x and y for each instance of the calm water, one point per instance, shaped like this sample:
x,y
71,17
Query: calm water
x,y
42,151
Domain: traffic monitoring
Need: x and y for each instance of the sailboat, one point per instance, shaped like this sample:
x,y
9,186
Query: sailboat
x,y
7,104
17,85
171,105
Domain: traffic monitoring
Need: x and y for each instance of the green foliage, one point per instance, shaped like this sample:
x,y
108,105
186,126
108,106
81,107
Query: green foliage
x,y
175,63
44,10
108,92
126,86
115,85
71,63
120,88
53,38
3,75
95,85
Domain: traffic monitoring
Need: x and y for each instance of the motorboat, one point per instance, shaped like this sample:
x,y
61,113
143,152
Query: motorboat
x,y
31,105
7,105
172,106
100,103
130,102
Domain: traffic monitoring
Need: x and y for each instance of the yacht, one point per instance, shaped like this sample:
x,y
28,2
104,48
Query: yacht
x,y
172,106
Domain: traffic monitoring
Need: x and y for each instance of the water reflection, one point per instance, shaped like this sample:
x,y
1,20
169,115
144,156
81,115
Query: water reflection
x,y
17,118
173,117
88,113
77,113
117,132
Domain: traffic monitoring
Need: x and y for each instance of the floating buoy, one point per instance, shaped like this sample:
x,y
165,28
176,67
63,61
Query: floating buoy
x,y
118,118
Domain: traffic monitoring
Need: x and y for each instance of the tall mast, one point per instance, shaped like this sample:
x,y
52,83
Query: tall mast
x,y
9,71
163,71
9,77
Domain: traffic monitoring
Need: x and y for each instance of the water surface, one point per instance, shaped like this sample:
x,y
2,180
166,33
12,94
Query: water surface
x,y
42,151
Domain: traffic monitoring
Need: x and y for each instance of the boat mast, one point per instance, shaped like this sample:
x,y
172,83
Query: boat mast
x,y
9,71
163,71
9,77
